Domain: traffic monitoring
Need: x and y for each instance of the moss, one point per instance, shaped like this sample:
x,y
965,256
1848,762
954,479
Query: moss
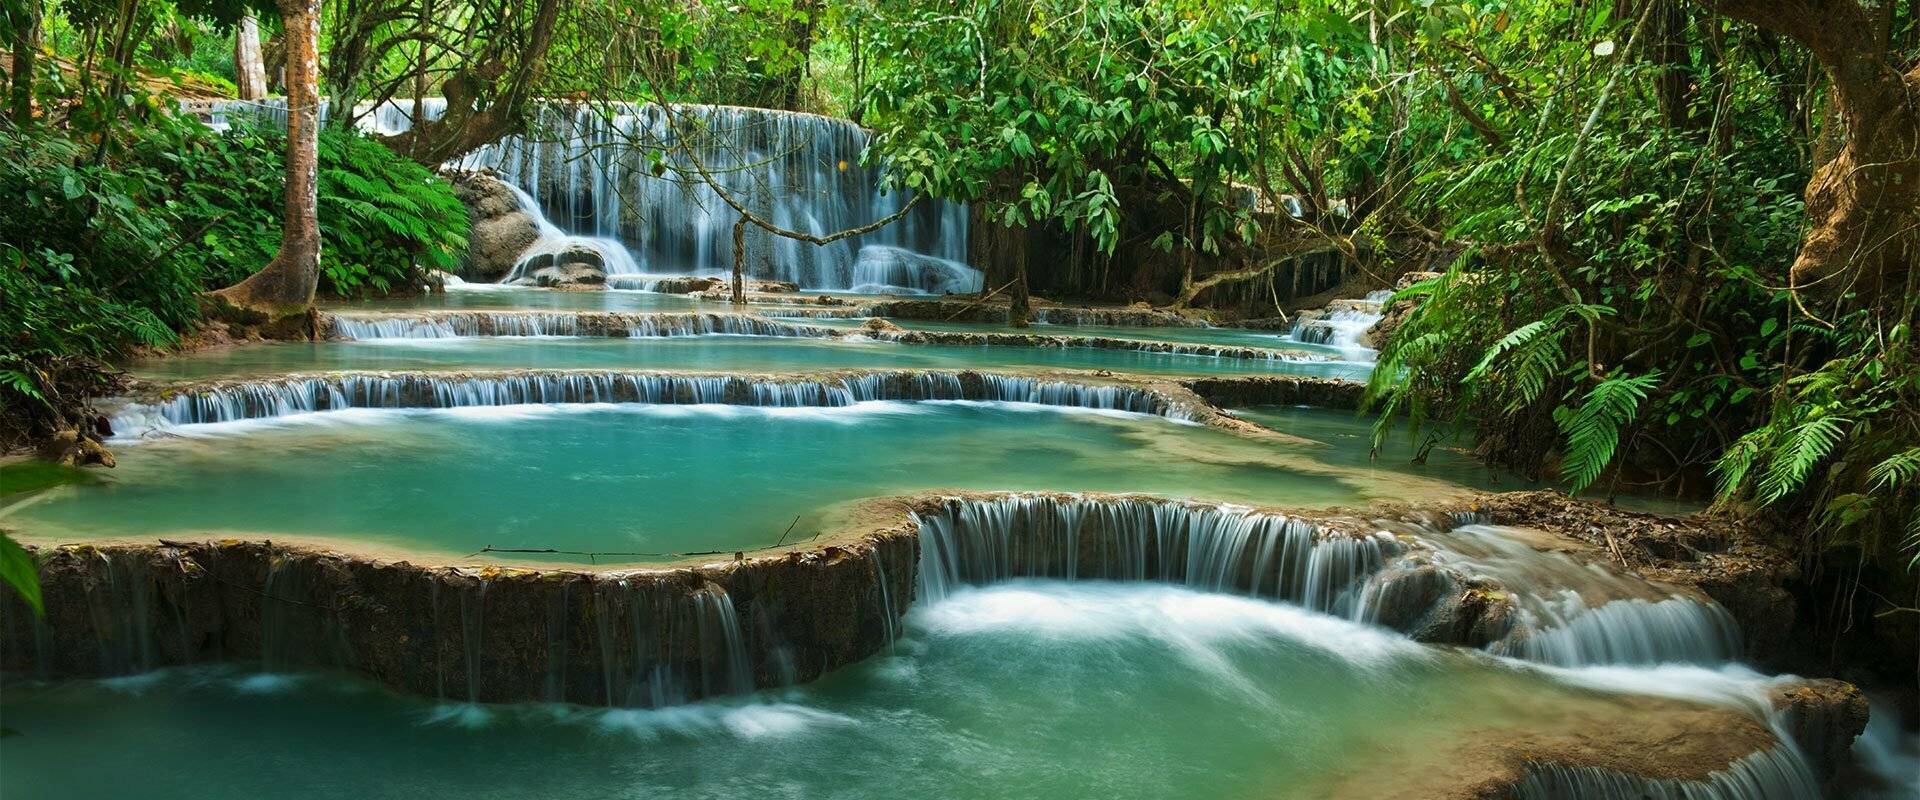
x,y
32,476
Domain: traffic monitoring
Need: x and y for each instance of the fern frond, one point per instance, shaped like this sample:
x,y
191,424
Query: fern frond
x,y
1805,446
1592,430
1897,470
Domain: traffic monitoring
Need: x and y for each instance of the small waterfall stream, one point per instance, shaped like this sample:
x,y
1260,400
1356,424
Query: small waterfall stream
x,y
243,400
1344,325
1572,613
1219,548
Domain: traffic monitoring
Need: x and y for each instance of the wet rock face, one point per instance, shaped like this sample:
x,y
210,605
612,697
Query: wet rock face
x,y
1267,391
1724,559
1823,717
500,230
573,267
1440,606
491,635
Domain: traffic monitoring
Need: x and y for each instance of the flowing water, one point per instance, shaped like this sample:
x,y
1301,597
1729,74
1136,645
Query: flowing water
x,y
644,478
1024,689
591,171
699,353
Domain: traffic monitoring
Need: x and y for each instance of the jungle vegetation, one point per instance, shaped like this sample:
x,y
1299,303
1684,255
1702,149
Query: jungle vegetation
x,y
1662,244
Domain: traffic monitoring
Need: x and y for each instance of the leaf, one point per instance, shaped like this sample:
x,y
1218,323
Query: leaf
x,y
17,569
1592,430
1806,445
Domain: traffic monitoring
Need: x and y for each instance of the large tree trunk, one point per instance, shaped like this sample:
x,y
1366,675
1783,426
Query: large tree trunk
x,y
284,288
249,66
1863,202
26,46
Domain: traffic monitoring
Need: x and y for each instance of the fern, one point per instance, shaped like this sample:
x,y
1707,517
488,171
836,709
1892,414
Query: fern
x,y
1592,430
1805,446
1899,469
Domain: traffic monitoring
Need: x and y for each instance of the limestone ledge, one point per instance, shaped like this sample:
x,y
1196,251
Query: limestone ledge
x,y
647,634
614,324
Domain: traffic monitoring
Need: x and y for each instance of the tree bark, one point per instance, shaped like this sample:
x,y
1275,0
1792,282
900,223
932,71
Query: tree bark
x,y
473,118
1862,202
285,287
26,47
249,66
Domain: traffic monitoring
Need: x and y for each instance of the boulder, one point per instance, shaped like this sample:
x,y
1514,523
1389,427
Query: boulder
x,y
880,325
75,448
500,229
1823,717
570,275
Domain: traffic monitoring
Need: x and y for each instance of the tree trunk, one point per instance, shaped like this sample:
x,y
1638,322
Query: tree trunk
x,y
249,67
285,287
1862,202
1020,309
475,114
26,46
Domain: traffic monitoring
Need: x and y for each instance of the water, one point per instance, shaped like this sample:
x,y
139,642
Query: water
x,y
1234,337
1026,689
1344,325
651,479
487,296
590,170
715,353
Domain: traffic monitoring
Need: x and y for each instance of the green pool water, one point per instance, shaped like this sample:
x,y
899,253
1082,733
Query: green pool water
x,y
1021,690
704,353
651,479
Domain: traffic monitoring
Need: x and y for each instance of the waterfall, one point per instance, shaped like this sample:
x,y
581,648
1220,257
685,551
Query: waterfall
x,y
461,324
1776,773
1345,322
723,651
592,170
616,179
1567,631
229,402
615,258
1570,613
974,541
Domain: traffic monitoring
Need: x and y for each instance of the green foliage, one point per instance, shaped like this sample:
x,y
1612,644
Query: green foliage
x,y
18,571
1592,428
1084,109
383,218
130,225
1647,332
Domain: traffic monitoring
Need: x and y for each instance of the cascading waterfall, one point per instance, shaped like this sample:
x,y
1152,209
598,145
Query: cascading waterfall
x,y
615,258
674,646
464,324
1344,325
1776,773
723,650
1565,630
589,172
975,541
229,402
1571,614
592,171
